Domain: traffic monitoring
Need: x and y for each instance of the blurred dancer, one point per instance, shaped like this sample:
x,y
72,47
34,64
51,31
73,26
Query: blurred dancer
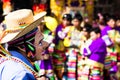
x,y
110,35
72,42
93,69
59,54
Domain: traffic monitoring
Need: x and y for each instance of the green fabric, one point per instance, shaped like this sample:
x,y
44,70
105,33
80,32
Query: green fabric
x,y
30,47
52,78
113,49
46,31
37,66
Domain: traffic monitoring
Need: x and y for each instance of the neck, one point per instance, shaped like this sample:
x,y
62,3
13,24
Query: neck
x,y
23,52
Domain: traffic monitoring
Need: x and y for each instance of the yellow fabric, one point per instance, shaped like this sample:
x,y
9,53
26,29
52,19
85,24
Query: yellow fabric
x,y
57,7
94,63
66,41
115,37
60,46
117,42
51,23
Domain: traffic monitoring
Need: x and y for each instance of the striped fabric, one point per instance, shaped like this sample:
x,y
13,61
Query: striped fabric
x,y
29,37
72,63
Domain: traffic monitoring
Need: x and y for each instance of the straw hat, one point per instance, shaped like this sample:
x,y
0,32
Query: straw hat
x,y
19,23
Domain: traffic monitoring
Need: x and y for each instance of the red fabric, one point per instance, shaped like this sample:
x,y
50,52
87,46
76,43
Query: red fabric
x,y
39,7
63,26
6,0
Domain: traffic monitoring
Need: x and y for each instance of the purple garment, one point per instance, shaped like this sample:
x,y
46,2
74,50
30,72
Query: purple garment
x,y
118,29
98,50
105,37
46,64
105,30
57,38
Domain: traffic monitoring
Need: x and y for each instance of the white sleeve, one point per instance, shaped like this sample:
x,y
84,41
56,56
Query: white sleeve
x,y
61,34
107,40
10,70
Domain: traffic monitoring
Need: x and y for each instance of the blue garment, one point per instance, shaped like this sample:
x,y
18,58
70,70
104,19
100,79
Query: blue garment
x,y
11,70
20,56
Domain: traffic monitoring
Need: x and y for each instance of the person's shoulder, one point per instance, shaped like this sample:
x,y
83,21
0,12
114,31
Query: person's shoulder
x,y
10,69
10,65
101,41
107,28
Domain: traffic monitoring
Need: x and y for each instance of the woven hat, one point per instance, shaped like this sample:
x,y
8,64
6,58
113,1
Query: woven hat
x,y
19,23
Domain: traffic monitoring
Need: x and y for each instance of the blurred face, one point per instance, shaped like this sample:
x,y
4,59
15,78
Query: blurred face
x,y
85,33
94,36
65,22
111,23
76,22
118,23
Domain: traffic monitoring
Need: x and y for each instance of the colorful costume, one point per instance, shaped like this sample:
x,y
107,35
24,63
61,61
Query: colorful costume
x,y
72,43
117,39
59,53
93,69
111,36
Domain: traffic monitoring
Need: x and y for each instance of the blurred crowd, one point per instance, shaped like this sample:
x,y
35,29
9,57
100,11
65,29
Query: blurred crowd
x,y
78,49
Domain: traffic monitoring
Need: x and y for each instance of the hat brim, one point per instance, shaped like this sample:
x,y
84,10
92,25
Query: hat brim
x,y
12,36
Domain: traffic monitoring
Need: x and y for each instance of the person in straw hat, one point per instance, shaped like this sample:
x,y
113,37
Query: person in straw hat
x,y
24,43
